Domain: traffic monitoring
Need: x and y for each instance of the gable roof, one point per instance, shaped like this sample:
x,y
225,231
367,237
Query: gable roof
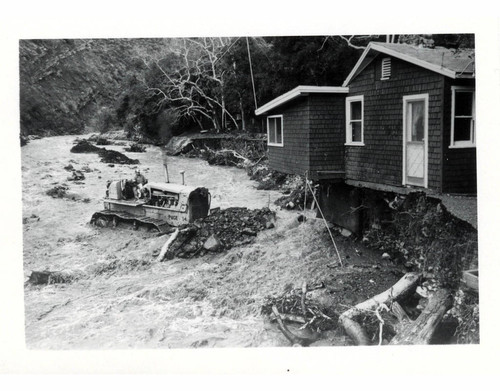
x,y
299,91
449,62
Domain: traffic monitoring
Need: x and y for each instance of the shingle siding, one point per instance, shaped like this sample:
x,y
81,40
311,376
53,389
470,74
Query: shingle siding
x,y
380,160
459,164
293,156
326,140
313,135
314,131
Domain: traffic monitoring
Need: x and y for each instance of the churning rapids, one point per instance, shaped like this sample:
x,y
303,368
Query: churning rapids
x,y
122,298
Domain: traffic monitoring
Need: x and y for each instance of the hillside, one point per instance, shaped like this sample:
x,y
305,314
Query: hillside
x,y
64,84
72,86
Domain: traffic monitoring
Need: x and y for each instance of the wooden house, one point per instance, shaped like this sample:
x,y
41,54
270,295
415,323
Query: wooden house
x,y
410,119
305,129
404,118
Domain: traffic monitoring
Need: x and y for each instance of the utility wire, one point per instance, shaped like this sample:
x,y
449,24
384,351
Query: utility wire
x,y
251,74
227,50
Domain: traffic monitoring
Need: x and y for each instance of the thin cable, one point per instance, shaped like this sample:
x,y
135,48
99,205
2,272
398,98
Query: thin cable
x,y
251,74
326,224
305,194
227,50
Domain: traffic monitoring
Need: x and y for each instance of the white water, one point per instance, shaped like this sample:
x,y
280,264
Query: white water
x,y
210,301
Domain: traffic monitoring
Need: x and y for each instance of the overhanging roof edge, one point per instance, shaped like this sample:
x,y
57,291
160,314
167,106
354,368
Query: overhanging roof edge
x,y
404,57
298,91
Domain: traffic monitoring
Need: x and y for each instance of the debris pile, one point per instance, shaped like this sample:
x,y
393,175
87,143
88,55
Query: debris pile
x,y
58,191
465,311
220,231
423,236
297,305
107,156
295,199
412,311
268,179
84,146
220,158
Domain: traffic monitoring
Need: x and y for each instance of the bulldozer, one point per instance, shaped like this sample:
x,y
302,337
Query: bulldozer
x,y
163,205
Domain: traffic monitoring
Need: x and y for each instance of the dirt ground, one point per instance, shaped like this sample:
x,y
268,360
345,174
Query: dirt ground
x,y
120,297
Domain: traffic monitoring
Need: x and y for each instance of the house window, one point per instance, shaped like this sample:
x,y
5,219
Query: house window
x,y
275,130
463,114
386,69
354,120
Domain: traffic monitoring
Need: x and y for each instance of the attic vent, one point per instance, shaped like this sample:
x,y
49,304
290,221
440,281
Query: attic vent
x,y
386,68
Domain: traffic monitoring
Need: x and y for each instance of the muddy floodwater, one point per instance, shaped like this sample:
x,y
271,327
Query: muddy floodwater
x,y
121,297
117,295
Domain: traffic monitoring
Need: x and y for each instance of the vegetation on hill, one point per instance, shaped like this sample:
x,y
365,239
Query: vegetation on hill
x,y
163,86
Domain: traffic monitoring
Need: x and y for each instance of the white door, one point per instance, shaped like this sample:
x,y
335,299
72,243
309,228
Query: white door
x,y
415,117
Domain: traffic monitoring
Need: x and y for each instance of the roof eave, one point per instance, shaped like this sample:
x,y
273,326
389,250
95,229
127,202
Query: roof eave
x,y
296,92
410,59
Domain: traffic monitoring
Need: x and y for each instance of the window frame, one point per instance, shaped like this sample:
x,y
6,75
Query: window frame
x,y
348,101
463,143
275,144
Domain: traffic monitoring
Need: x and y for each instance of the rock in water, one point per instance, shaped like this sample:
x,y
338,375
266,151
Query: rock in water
x,y
269,225
212,243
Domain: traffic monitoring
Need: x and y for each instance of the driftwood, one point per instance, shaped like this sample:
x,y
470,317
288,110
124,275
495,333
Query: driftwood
x,y
293,318
303,299
166,246
353,329
420,331
294,339
236,155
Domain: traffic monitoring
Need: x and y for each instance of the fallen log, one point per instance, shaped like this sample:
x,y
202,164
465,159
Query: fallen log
x,y
166,246
420,331
353,329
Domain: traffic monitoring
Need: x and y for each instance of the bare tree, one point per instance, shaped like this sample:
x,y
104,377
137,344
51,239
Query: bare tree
x,y
192,80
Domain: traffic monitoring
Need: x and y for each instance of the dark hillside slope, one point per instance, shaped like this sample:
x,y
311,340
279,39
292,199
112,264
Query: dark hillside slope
x,y
65,83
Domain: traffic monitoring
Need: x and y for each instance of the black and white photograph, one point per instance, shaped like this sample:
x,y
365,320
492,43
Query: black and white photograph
x,y
250,191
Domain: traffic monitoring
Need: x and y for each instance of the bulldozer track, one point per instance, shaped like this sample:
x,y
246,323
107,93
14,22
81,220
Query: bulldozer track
x,y
160,225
